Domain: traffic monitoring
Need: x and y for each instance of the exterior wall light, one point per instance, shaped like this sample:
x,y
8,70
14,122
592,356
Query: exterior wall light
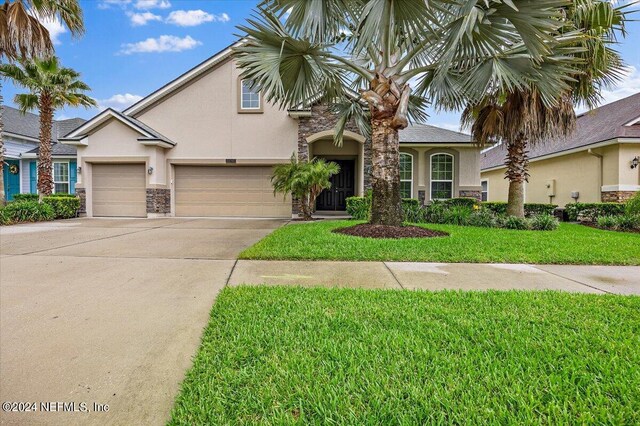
x,y
150,170
79,170
635,162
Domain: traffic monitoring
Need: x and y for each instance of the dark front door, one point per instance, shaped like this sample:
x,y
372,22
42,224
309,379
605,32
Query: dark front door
x,y
342,187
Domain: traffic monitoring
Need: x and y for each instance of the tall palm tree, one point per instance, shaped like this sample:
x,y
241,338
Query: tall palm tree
x,y
519,118
22,35
51,87
451,51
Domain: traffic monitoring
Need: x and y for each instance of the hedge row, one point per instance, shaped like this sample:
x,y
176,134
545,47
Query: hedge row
x,y
592,211
28,209
530,209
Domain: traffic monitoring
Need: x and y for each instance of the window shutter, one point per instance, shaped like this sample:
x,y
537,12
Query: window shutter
x,y
73,177
33,177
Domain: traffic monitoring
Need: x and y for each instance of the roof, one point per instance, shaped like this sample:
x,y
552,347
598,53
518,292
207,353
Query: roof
x,y
424,133
620,119
28,124
58,150
148,134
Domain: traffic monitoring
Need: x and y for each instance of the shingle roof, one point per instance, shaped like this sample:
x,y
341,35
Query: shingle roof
x,y
598,125
58,149
28,124
424,133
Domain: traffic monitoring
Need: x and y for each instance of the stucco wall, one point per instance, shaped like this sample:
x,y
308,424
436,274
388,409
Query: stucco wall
x,y
203,120
580,172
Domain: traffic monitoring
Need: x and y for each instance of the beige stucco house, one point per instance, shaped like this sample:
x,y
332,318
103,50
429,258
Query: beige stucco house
x,y
598,162
205,145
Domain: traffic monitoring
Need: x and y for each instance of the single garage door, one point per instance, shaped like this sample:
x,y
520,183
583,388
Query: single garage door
x,y
119,190
227,191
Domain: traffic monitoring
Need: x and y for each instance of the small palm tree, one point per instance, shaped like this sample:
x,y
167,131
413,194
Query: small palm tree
x,y
51,87
304,180
519,117
22,35
397,56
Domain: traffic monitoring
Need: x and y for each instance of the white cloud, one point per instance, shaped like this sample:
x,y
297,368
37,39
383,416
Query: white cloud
x,y
164,43
152,4
191,18
106,4
629,85
139,19
119,101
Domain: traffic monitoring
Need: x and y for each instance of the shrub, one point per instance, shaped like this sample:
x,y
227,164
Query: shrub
x,y
457,215
632,206
607,222
413,212
27,211
359,208
434,212
497,207
483,218
461,202
627,222
592,211
25,197
538,209
513,222
63,207
61,194
544,222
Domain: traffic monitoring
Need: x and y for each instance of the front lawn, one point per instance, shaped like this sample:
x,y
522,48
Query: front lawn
x,y
569,244
278,355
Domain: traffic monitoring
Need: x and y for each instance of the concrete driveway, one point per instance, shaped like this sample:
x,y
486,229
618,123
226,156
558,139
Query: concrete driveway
x,y
109,312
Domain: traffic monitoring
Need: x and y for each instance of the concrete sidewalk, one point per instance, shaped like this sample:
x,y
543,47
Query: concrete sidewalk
x,y
440,276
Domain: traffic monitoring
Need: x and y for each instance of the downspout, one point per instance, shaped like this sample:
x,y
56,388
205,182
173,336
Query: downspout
x,y
601,173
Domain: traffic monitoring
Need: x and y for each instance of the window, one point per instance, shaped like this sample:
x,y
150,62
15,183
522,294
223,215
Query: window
x,y
485,190
406,175
250,98
61,177
441,176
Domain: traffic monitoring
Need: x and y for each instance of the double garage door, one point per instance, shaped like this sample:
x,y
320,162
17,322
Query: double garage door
x,y
119,190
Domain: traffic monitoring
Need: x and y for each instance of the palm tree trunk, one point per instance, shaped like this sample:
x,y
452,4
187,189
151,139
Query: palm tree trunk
x,y
385,173
2,194
517,163
45,175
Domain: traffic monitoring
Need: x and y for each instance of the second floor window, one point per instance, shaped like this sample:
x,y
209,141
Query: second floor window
x,y
250,98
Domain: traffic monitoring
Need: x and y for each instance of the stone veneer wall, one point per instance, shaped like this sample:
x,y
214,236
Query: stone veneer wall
x,y
82,194
158,200
322,118
616,196
470,194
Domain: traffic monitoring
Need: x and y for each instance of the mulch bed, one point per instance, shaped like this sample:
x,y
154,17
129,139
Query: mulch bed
x,y
593,225
382,231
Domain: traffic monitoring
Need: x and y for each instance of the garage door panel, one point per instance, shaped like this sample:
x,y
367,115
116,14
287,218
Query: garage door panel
x,y
119,190
227,191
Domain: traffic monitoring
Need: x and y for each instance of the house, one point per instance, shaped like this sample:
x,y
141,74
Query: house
x,y
20,135
598,162
205,145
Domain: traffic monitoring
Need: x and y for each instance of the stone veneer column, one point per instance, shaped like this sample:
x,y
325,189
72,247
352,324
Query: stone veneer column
x,y
158,200
81,193
616,196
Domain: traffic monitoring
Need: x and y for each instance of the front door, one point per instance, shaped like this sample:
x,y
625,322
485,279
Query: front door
x,y
342,187
11,175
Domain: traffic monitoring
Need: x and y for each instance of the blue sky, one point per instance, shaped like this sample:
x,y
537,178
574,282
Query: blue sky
x,y
133,47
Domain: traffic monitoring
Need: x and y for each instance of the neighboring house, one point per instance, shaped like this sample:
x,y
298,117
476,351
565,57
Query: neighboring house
x,y
205,145
20,135
598,162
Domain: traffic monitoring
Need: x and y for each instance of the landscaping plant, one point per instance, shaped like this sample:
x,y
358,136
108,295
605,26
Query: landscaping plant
x,y
361,55
632,206
304,180
27,211
520,116
50,87
592,211
64,207
544,222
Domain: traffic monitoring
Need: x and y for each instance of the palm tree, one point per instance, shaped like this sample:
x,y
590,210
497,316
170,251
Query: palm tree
x,y
22,35
304,180
519,118
51,87
451,51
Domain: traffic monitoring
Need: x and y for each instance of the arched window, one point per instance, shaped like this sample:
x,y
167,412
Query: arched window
x,y
406,175
441,176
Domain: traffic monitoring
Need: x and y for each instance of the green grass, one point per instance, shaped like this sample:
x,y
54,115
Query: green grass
x,y
569,244
342,356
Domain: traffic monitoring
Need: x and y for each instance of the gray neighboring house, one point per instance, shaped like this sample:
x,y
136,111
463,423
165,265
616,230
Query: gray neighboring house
x,y
20,135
